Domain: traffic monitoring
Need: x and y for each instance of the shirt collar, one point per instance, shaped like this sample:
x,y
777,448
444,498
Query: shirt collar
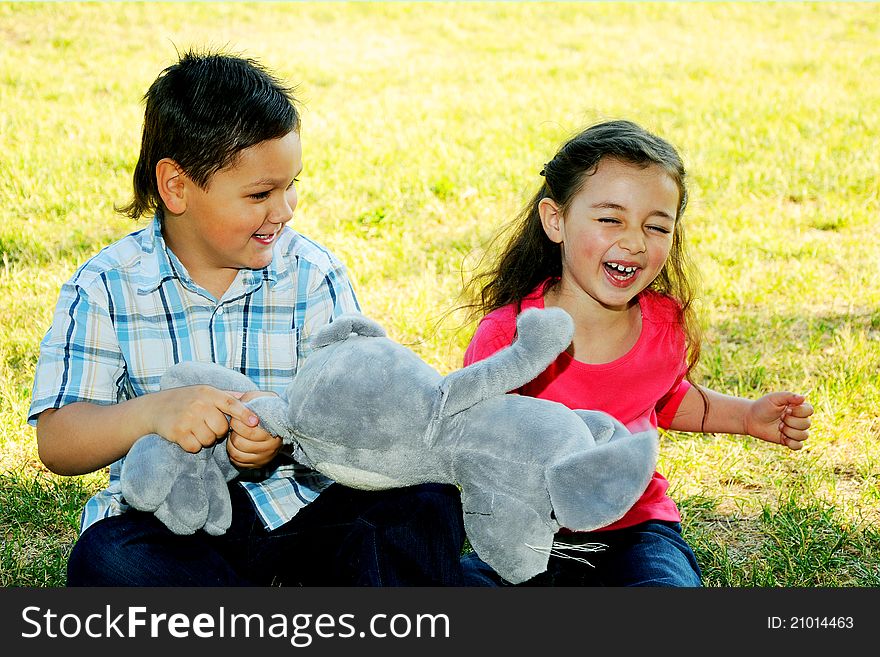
x,y
155,265
159,264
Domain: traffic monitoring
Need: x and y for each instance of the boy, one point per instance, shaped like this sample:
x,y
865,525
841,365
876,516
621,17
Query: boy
x,y
217,276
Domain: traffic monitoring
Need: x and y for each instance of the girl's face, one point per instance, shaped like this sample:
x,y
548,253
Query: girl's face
x,y
617,232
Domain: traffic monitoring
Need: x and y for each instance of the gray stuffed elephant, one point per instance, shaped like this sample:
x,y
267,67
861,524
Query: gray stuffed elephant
x,y
370,414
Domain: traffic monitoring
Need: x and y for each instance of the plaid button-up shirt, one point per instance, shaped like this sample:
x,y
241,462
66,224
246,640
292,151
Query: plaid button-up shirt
x,y
132,311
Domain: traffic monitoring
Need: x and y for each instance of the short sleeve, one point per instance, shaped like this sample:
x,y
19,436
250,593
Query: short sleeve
x,y
668,405
80,357
491,336
330,295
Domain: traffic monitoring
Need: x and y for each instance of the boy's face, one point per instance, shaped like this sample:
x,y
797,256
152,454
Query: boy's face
x,y
234,223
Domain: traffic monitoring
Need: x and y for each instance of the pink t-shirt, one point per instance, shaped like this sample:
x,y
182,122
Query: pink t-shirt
x,y
643,387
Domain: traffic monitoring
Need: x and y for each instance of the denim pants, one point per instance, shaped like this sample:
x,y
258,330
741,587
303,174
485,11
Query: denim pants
x,y
649,554
401,537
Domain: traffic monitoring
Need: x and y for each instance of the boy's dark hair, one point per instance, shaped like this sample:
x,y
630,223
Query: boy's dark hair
x,y
201,112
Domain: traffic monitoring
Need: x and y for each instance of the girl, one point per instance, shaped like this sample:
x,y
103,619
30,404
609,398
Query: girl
x,y
603,239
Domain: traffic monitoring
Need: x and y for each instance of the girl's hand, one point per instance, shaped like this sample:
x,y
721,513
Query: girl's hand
x,y
780,417
198,416
251,446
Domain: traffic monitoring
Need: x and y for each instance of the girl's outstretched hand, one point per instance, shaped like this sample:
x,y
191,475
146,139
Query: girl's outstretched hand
x,y
780,417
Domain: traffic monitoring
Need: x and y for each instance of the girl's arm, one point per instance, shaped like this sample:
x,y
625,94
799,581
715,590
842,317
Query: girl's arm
x,y
82,437
778,417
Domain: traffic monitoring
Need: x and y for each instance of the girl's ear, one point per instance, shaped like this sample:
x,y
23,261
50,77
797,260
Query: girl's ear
x,y
170,181
551,219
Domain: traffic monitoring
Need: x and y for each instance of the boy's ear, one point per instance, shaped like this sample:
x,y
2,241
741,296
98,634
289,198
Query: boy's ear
x,y
170,181
551,219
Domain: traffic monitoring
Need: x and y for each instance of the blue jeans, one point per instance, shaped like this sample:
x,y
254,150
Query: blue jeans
x,y
401,537
650,554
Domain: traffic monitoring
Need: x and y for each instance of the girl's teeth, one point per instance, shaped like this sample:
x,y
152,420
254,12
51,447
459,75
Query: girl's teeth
x,y
619,271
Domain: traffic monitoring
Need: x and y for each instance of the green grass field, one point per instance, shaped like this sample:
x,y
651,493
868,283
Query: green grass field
x,y
424,128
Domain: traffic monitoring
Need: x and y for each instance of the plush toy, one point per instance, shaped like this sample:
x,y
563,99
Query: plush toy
x,y
370,414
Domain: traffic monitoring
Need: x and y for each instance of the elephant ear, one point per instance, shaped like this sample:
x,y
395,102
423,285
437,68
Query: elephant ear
x,y
343,327
594,487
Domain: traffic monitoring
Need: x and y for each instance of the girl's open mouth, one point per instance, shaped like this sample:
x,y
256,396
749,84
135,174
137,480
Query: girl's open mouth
x,y
620,275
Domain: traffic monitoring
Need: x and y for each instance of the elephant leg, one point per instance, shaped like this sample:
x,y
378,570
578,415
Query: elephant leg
x,y
216,489
185,509
150,470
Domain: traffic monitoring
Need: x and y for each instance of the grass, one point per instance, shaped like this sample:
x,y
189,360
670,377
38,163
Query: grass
x,y
424,128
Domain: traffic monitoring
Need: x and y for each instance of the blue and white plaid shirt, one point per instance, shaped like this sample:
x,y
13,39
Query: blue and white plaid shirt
x,y
132,311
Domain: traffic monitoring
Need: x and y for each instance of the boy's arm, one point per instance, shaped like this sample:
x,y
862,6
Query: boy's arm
x,y
82,437
778,417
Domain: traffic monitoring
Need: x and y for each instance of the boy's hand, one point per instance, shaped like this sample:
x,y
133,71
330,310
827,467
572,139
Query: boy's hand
x,y
251,446
196,416
780,417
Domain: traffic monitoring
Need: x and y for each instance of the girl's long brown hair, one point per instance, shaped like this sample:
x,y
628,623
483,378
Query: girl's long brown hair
x,y
526,256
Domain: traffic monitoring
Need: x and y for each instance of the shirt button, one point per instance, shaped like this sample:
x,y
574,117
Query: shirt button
x,y
220,310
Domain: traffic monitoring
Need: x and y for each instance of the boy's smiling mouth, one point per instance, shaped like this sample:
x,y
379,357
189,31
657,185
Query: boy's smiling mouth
x,y
265,238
